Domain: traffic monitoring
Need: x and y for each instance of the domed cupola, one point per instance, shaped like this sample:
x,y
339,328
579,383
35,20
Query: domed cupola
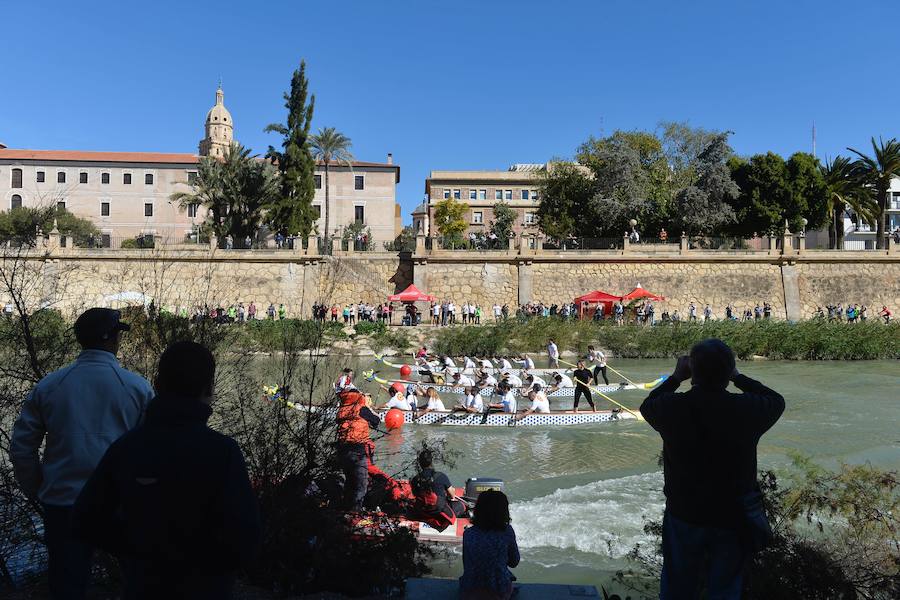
x,y
219,128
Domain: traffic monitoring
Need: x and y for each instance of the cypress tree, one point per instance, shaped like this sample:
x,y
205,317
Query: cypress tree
x,y
292,212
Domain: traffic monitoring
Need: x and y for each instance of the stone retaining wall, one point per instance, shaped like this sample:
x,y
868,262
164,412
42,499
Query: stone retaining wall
x,y
794,285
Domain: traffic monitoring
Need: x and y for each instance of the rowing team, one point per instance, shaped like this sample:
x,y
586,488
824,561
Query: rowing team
x,y
424,360
533,388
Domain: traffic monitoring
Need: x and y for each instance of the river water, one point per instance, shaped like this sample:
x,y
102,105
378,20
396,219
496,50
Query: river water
x,y
579,496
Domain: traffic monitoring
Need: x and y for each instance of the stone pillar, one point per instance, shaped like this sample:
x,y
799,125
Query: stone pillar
x,y
892,246
787,242
773,245
213,241
312,245
70,242
335,245
626,244
538,244
526,281
790,279
685,244
515,245
801,240
420,243
157,241
420,274
53,238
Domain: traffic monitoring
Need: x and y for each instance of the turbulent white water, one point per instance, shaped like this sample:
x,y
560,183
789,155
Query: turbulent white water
x,y
604,517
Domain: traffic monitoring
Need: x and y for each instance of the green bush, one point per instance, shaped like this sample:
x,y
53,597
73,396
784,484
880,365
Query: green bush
x,y
370,328
807,340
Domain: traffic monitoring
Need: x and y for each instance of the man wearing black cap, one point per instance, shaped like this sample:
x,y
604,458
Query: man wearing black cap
x,y
80,410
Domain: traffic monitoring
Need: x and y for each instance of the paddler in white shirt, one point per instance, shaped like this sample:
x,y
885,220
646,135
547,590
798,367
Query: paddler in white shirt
x,y
486,364
511,380
448,362
532,380
463,380
526,362
598,359
560,381
473,402
434,402
468,365
539,402
485,379
505,364
399,400
507,402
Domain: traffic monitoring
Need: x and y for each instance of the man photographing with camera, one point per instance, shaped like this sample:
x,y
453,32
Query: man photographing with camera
x,y
713,520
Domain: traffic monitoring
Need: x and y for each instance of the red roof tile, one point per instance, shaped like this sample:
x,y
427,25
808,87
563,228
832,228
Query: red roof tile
x,y
85,156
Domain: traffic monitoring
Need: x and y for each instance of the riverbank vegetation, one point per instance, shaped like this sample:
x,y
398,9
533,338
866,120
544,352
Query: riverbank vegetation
x,y
836,537
815,339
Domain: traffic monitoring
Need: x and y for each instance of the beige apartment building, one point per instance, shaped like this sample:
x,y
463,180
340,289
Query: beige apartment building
x,y
126,194
480,191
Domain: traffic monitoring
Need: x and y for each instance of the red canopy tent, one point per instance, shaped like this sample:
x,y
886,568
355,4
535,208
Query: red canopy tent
x,y
596,297
640,293
411,294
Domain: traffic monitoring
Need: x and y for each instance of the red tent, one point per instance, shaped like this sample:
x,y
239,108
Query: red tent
x,y
639,292
411,294
596,297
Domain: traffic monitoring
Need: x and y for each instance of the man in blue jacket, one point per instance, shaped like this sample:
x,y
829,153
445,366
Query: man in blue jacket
x,y
709,461
80,410
172,497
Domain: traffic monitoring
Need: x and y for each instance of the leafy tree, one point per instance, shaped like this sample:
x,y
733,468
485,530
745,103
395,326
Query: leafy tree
x,y
19,226
357,230
330,145
682,146
705,207
405,242
292,212
504,220
236,191
807,192
449,216
564,191
844,191
877,171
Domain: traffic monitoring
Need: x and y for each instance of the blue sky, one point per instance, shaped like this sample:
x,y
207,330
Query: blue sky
x,y
451,85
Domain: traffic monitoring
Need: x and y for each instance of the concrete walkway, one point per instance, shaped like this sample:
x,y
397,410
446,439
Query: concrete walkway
x,y
448,589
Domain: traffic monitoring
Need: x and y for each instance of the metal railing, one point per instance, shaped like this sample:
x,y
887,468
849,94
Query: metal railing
x,y
568,244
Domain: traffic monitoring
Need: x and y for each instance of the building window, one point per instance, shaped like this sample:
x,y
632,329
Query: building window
x,y
104,209
192,210
40,177
192,177
82,177
318,180
524,194
482,194
457,194
126,178
148,179
317,209
104,177
148,209
507,195
17,178
498,194
359,182
61,205
477,217
359,214
60,177
15,201
534,195
473,194
446,193
530,218
105,240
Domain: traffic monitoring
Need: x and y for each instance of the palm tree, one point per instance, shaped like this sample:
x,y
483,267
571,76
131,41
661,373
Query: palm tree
x,y
877,171
844,191
236,190
330,145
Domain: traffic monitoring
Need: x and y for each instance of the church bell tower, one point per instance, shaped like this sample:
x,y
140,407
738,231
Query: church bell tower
x,y
219,128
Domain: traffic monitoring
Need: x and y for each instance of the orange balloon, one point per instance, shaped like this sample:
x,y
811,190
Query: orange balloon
x,y
405,371
398,387
394,419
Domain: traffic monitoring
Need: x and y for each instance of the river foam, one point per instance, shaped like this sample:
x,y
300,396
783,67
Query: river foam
x,y
605,517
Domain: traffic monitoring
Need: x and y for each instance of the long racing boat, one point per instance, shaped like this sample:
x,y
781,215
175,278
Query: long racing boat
x,y
499,419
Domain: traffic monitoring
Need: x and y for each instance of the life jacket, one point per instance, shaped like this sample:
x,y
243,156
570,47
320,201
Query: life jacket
x,y
352,428
428,506
423,489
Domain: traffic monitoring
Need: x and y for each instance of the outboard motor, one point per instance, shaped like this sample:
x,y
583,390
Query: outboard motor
x,y
476,485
